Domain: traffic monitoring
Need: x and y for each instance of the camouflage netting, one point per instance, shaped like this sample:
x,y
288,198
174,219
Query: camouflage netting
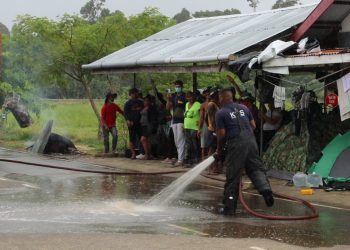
x,y
297,153
287,151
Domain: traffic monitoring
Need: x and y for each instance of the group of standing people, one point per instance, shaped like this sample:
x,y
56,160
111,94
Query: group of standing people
x,y
183,123
196,125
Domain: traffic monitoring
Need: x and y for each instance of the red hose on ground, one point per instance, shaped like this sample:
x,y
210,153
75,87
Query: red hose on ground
x,y
245,206
92,171
313,215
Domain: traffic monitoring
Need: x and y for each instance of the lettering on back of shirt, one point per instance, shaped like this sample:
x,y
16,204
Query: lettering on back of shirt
x,y
233,114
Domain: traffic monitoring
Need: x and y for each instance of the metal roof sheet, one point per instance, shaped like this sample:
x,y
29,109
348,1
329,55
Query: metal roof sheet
x,y
205,39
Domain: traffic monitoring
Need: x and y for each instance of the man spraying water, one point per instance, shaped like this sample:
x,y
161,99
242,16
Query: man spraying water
x,y
234,127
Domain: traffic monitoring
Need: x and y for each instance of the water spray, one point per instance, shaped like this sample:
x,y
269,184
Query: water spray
x,y
168,194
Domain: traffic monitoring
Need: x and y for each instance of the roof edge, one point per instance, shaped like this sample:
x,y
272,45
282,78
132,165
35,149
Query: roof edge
x,y
254,13
320,9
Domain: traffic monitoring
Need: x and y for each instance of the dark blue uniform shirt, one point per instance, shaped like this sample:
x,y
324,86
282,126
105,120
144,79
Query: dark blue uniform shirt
x,y
227,118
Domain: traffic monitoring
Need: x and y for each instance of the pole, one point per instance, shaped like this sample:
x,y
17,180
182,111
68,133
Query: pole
x,y
261,121
194,79
134,80
324,99
0,56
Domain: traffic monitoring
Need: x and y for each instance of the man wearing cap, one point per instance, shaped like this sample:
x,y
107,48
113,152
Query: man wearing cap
x,y
234,126
176,103
132,109
108,121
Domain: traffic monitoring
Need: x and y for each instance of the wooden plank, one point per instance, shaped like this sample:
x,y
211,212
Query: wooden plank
x,y
321,8
341,2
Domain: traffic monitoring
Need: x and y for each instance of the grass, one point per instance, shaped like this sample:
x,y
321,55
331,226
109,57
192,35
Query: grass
x,y
74,119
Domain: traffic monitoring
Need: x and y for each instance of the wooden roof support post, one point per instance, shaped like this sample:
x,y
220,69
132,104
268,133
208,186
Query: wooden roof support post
x,y
321,8
0,56
134,80
194,79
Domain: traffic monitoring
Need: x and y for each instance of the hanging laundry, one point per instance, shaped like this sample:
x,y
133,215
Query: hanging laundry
x,y
279,96
305,100
346,82
343,100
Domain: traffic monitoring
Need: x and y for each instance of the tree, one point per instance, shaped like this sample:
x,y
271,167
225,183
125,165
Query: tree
x,y
93,10
4,29
285,3
208,13
184,15
50,53
253,4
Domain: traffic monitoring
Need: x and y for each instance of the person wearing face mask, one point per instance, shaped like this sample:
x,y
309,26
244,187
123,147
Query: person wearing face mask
x,y
108,121
176,103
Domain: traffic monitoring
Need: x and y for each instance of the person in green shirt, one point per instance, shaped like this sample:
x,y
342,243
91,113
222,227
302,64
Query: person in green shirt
x,y
191,126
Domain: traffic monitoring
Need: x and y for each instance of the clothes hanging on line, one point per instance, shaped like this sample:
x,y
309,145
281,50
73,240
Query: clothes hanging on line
x,y
305,100
346,82
279,96
343,100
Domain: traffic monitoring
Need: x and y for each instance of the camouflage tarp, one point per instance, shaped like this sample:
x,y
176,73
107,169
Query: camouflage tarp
x,y
288,151
297,153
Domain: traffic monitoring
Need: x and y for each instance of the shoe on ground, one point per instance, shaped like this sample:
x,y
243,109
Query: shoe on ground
x,y
167,161
226,211
268,197
140,156
179,164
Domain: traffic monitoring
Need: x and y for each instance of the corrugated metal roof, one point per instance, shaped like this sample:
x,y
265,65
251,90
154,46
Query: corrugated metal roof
x,y
205,39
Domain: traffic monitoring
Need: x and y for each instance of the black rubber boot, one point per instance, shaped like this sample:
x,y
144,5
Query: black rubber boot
x,y
230,206
268,197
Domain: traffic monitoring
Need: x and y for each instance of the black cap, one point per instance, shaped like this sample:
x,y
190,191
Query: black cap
x,y
110,94
134,91
214,91
207,89
178,82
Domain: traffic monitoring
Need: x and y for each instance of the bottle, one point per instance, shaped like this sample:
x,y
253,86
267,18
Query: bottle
x,y
306,191
299,179
314,180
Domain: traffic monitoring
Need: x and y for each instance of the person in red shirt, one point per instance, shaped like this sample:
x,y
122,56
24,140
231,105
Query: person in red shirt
x,y
108,121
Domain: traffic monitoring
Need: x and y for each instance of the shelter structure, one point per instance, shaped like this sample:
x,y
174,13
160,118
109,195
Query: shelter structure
x,y
214,44
329,23
203,44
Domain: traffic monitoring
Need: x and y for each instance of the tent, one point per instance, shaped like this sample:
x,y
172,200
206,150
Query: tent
x,y
334,166
292,153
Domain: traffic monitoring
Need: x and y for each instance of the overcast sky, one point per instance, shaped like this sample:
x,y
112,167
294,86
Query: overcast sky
x,y
53,8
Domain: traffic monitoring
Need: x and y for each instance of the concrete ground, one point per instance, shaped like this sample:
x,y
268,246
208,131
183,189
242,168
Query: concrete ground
x,y
336,199
139,242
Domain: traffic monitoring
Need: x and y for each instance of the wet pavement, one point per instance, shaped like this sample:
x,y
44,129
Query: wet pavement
x,y
36,200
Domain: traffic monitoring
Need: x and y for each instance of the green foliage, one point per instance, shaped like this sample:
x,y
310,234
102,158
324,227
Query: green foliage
x,y
93,11
208,13
4,30
73,119
50,53
285,3
5,89
147,23
253,4
182,16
